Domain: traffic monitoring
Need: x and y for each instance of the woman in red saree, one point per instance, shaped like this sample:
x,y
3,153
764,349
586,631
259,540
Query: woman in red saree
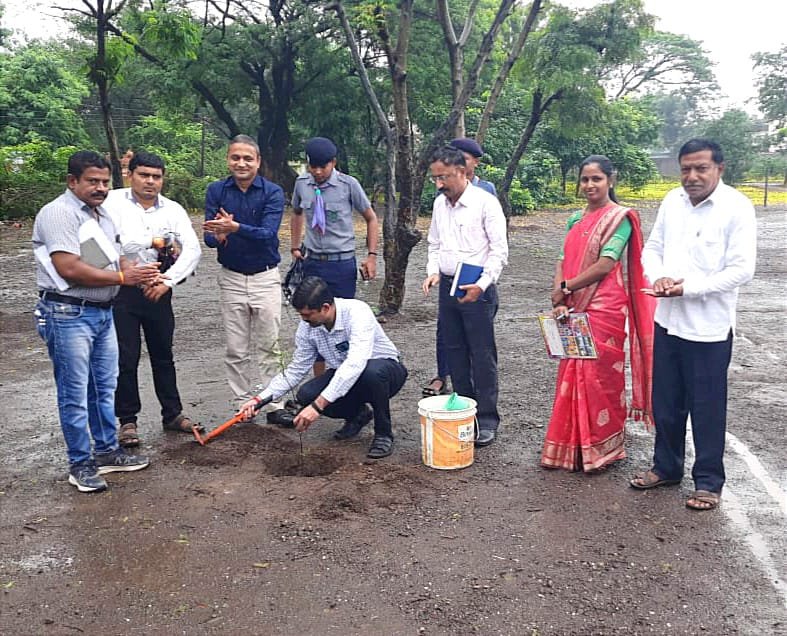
x,y
587,428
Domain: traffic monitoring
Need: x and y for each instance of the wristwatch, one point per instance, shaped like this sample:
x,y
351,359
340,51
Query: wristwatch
x,y
564,288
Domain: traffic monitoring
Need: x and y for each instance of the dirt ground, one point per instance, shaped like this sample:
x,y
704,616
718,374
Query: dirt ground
x,y
247,535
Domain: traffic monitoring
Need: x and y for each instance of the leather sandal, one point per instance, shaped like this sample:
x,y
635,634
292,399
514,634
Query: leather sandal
x,y
381,447
183,424
430,391
648,479
703,500
127,435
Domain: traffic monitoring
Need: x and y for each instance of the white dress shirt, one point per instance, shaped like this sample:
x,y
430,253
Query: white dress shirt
x,y
355,339
138,226
472,231
713,248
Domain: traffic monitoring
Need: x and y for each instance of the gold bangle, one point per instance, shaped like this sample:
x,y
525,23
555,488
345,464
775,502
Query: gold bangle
x,y
122,277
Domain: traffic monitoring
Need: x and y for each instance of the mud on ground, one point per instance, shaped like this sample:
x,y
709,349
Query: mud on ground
x,y
248,535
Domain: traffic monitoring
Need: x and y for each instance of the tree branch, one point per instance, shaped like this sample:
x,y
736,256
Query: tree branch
x,y
505,70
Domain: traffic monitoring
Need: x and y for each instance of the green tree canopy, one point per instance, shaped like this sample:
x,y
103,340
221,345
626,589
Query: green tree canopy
x,y
40,97
771,79
734,132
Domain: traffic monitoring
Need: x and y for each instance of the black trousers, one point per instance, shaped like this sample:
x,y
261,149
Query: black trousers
x,y
468,331
379,382
134,315
690,378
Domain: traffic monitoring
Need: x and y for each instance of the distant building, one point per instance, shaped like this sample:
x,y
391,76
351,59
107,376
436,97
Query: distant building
x,y
666,163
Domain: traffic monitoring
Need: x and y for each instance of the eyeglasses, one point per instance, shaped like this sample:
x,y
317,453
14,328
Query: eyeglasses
x,y
441,177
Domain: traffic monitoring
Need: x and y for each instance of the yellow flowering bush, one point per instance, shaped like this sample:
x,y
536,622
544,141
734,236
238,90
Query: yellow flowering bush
x,y
656,190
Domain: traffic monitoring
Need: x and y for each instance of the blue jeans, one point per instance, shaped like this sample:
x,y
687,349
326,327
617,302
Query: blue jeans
x,y
690,378
84,351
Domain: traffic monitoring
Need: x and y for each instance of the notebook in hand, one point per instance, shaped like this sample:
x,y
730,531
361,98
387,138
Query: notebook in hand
x,y
91,253
465,274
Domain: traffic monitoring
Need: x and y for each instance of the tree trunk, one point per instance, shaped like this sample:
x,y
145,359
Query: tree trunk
x,y
392,292
273,137
274,165
274,98
456,55
537,110
102,84
400,240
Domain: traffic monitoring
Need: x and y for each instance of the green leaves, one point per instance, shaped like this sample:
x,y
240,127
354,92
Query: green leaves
x,y
771,80
40,97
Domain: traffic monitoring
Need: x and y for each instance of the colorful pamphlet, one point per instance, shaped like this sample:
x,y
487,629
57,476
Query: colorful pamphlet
x,y
568,338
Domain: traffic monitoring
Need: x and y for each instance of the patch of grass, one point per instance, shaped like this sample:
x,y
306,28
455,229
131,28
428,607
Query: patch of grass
x,y
756,195
653,191
657,190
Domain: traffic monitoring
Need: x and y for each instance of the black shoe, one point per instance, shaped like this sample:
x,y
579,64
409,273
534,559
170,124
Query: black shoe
x,y
119,461
281,417
352,427
485,437
382,446
85,477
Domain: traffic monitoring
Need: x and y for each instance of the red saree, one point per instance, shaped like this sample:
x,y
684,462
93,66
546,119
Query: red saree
x,y
587,427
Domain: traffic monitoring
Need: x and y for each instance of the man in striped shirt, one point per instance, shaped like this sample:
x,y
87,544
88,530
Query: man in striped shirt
x,y
362,363
78,272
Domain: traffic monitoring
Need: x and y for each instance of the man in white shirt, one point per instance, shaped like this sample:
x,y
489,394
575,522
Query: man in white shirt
x,y
151,228
468,226
702,248
362,363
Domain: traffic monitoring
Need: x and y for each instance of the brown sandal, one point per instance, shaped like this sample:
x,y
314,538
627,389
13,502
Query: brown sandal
x,y
703,500
430,390
127,435
648,479
183,424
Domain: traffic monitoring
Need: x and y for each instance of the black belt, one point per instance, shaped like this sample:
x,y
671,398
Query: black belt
x,y
73,300
258,271
330,256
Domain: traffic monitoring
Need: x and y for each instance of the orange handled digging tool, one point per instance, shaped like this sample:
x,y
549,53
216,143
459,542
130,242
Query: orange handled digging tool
x,y
228,424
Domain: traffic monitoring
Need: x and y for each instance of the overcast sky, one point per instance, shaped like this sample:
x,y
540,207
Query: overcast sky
x,y
729,31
